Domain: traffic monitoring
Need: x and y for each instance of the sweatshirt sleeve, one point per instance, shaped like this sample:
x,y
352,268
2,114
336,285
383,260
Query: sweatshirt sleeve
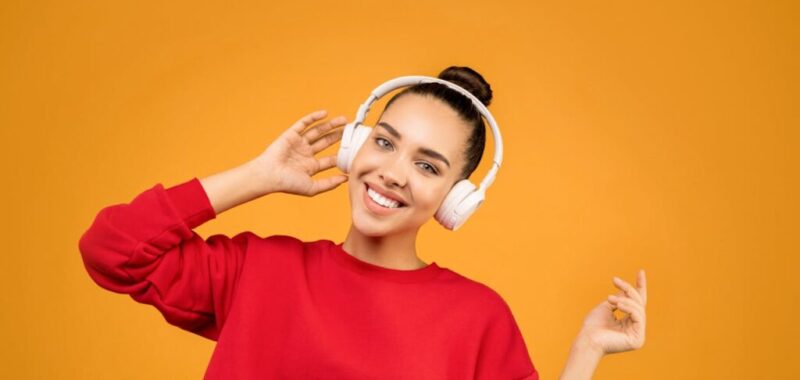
x,y
147,249
503,354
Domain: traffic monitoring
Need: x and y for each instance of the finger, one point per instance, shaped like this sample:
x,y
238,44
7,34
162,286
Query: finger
x,y
637,322
641,284
314,133
327,140
628,289
326,184
326,162
307,120
629,306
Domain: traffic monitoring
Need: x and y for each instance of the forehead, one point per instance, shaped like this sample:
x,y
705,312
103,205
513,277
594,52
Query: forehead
x,y
428,122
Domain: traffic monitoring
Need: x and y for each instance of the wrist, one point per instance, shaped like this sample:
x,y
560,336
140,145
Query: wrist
x,y
259,182
583,359
587,346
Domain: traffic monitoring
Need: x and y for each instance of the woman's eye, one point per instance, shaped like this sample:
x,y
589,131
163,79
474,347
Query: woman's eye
x,y
387,145
428,167
382,142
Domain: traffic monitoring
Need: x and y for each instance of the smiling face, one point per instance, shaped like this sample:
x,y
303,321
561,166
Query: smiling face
x,y
407,165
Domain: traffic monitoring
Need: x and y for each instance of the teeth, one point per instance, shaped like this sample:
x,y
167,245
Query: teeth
x,y
381,200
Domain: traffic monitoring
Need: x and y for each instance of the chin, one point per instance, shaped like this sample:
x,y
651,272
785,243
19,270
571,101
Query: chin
x,y
370,228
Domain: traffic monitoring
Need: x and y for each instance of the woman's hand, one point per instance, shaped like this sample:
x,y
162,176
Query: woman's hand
x,y
288,163
603,332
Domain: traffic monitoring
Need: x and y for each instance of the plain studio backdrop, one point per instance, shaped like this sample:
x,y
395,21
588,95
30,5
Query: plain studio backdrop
x,y
637,135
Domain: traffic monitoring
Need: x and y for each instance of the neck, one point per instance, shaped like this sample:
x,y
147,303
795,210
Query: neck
x,y
393,251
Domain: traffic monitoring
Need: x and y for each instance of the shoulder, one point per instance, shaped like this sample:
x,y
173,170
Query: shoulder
x,y
272,244
476,294
279,252
286,243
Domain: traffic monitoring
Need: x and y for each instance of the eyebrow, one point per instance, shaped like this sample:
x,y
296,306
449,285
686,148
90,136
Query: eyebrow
x,y
426,151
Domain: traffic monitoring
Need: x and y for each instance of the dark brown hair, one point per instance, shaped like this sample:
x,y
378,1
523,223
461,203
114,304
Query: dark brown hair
x,y
473,82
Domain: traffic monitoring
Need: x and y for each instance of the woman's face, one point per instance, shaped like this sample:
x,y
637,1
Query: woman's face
x,y
411,159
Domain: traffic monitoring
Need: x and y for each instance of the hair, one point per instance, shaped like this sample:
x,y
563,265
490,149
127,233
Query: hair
x,y
473,82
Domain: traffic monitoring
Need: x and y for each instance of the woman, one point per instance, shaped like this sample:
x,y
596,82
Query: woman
x,y
365,308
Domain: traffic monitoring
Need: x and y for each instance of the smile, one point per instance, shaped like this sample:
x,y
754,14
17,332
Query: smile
x,y
378,203
385,202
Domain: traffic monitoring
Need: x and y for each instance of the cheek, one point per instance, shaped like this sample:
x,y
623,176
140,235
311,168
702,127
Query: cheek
x,y
365,160
429,196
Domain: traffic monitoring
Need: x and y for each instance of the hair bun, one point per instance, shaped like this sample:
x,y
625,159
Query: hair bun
x,y
470,80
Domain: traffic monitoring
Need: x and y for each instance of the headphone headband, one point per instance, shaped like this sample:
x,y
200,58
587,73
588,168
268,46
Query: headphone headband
x,y
411,80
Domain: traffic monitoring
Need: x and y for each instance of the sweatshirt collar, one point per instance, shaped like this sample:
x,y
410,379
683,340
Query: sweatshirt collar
x,y
354,264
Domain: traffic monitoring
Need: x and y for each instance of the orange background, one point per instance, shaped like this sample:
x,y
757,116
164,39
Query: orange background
x,y
637,135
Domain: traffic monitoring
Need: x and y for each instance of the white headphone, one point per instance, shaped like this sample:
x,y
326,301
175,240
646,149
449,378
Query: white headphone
x,y
464,198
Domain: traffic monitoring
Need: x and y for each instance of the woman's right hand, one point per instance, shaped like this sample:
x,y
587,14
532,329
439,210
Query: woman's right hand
x,y
288,164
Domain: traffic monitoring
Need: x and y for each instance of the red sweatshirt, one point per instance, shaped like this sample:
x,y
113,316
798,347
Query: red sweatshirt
x,y
281,308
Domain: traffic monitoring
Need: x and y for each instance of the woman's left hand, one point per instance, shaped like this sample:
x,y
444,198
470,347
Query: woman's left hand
x,y
604,332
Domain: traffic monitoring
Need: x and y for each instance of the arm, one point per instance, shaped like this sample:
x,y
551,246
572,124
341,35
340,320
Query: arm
x,y
503,353
233,187
582,361
147,248
602,333
286,166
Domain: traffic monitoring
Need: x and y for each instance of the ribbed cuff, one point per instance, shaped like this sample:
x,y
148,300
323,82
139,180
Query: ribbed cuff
x,y
191,202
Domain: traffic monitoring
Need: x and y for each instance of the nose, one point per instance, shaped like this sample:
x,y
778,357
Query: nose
x,y
393,173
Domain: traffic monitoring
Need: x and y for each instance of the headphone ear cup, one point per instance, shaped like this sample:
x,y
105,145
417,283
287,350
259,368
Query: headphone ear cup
x,y
466,208
454,212
359,137
353,137
342,160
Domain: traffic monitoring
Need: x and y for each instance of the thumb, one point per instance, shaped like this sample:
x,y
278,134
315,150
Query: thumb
x,y
327,184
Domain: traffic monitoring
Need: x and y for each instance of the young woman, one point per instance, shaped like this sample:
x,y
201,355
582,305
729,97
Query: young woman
x,y
365,308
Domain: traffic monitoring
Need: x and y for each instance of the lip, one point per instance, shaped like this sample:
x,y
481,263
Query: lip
x,y
386,194
376,208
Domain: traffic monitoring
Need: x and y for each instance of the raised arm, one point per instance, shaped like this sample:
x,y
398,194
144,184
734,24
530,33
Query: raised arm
x,y
287,166
147,248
